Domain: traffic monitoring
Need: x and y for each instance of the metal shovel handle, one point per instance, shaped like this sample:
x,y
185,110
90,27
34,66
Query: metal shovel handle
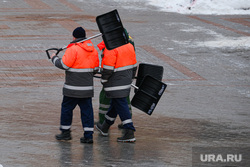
x,y
60,49
86,39
56,49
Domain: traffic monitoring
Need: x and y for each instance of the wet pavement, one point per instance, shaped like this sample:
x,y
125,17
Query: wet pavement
x,y
206,103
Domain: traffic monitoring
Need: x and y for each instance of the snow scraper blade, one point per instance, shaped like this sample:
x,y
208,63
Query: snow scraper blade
x,y
144,69
112,30
148,94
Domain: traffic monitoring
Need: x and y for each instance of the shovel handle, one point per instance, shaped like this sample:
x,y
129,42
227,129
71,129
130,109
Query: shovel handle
x,y
98,75
60,49
56,49
134,86
137,88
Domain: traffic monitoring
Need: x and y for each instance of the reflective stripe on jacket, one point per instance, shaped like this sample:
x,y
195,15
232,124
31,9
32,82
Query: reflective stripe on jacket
x,y
80,62
118,69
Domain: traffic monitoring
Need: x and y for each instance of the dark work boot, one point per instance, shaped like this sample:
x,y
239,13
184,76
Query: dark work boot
x,y
103,128
86,140
65,135
127,137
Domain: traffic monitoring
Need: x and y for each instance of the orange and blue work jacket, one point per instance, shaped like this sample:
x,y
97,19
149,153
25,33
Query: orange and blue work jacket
x,y
80,63
119,66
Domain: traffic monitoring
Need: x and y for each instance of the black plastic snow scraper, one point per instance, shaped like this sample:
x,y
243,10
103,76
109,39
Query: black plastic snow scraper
x,y
111,29
148,88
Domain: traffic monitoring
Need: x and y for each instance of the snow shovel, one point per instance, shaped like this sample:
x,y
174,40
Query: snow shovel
x,y
148,94
148,69
111,29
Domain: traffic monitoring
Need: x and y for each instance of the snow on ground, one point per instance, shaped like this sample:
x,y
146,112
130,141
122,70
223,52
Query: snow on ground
x,y
216,7
219,40
204,7
240,42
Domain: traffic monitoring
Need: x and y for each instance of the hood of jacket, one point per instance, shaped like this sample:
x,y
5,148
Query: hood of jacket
x,y
86,45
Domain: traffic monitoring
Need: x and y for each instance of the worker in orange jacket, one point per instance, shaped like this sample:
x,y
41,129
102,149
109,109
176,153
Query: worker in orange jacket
x,y
118,70
80,63
104,102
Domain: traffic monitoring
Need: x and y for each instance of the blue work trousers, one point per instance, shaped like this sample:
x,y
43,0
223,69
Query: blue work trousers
x,y
87,116
119,106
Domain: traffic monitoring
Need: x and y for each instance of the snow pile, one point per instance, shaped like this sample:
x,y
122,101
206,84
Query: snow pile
x,y
216,7
219,41
239,43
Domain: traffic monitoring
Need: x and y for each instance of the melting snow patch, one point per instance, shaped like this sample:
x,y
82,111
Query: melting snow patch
x,y
222,42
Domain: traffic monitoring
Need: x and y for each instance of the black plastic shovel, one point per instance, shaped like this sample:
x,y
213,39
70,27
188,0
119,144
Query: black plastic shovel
x,y
148,87
112,30
145,69
148,94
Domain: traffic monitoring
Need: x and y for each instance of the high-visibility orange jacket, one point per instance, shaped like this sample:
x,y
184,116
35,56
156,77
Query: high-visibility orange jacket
x,y
80,62
118,69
